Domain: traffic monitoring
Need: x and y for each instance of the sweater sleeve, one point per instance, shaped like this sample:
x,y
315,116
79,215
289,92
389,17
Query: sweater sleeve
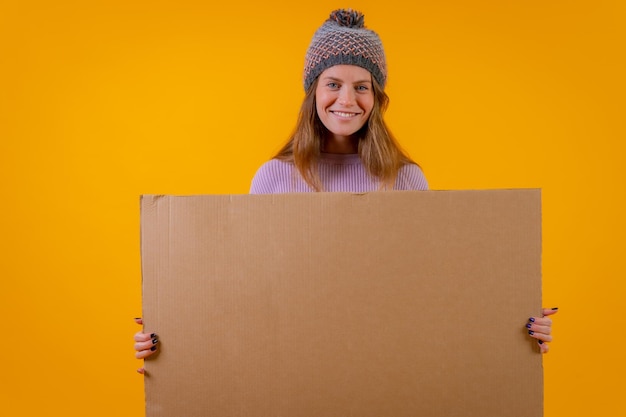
x,y
271,178
411,177
260,181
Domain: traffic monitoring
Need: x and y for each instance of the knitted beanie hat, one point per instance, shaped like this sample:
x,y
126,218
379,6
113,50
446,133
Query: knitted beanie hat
x,y
343,39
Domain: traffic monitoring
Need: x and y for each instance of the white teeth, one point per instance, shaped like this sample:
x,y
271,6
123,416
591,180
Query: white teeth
x,y
342,114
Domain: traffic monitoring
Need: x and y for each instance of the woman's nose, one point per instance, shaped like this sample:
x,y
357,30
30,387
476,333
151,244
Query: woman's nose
x,y
346,97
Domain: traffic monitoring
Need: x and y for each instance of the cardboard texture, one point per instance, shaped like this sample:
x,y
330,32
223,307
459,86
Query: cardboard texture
x,y
402,303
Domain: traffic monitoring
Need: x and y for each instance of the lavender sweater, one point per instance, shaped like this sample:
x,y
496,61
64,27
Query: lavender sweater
x,y
338,172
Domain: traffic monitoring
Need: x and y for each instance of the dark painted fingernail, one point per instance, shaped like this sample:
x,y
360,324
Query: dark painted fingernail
x,y
555,308
540,342
153,348
153,335
137,318
528,325
154,341
532,319
530,332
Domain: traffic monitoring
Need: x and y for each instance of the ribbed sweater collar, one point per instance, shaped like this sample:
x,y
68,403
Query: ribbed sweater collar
x,y
340,158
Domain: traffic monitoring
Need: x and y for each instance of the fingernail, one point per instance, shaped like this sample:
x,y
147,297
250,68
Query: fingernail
x,y
530,332
528,326
154,341
540,342
532,319
153,348
137,318
555,308
153,335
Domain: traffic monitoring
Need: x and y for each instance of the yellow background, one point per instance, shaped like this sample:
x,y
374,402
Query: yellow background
x,y
101,101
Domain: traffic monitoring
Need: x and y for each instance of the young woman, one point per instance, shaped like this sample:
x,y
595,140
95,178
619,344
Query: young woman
x,y
341,141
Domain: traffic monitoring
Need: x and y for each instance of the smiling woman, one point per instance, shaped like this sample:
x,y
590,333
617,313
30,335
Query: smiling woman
x,y
341,142
343,100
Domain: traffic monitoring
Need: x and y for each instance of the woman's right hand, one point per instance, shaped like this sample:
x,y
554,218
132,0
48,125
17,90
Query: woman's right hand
x,y
145,344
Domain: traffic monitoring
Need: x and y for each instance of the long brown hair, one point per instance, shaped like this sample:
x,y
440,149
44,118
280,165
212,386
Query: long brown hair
x,y
380,153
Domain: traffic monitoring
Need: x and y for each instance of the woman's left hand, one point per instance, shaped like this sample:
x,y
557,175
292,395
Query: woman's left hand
x,y
540,328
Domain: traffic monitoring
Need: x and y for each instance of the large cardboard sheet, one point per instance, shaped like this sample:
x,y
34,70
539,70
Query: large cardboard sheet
x,y
403,303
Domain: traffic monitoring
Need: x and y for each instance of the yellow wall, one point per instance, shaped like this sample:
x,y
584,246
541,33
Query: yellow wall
x,y
101,101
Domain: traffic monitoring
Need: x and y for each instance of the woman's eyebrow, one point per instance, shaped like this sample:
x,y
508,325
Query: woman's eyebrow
x,y
331,78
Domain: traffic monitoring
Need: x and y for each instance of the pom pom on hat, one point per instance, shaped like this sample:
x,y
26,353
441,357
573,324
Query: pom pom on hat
x,y
348,18
343,39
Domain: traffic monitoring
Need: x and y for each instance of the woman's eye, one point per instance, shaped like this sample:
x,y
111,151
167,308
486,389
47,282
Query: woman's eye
x,y
362,88
332,85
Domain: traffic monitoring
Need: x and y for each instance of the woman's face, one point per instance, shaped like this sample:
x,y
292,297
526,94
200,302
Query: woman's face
x,y
344,99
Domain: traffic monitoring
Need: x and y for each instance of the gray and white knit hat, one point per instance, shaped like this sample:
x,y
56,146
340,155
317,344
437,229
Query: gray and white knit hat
x,y
344,39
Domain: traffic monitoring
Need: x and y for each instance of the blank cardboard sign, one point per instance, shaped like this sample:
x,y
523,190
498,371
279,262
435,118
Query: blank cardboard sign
x,y
401,303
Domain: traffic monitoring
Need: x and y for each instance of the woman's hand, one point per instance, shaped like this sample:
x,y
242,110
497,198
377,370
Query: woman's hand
x,y
145,344
540,328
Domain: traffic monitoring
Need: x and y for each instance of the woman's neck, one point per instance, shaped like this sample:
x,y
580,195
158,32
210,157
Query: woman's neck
x,y
340,145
